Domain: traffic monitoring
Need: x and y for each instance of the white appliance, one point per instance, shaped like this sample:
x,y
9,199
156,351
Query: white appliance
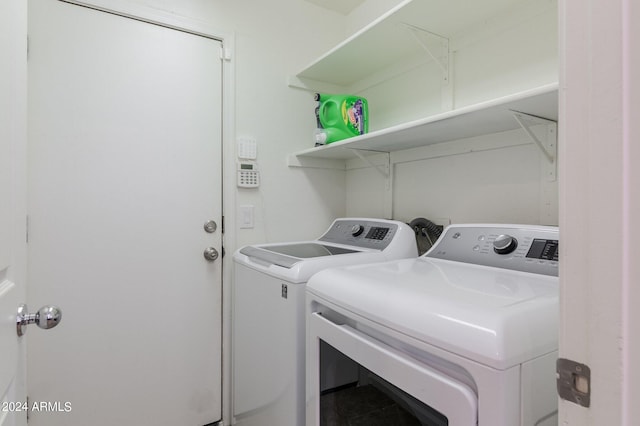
x,y
465,335
269,315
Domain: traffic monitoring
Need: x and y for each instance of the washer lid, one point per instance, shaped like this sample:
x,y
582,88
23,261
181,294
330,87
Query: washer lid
x,y
287,255
494,316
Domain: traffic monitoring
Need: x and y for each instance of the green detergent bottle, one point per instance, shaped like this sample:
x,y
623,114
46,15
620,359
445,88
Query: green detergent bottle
x,y
339,117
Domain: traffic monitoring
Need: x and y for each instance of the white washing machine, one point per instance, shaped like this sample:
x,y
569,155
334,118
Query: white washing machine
x,y
269,315
465,335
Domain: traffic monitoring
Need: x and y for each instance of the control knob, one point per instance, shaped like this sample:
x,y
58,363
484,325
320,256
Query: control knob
x,y
504,244
357,230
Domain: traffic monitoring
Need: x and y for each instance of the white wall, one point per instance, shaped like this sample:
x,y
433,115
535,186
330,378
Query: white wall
x,y
498,178
368,11
511,52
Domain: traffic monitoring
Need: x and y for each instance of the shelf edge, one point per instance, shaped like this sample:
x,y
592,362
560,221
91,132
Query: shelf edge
x,y
296,161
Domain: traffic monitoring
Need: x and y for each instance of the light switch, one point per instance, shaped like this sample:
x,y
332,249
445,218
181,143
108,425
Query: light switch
x,y
245,216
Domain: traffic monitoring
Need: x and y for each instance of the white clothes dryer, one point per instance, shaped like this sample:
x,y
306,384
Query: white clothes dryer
x,y
465,335
268,319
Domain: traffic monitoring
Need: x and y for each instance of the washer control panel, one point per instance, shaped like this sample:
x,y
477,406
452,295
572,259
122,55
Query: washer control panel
x,y
361,233
517,247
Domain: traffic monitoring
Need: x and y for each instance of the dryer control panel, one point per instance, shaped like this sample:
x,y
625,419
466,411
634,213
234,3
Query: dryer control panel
x,y
366,233
516,247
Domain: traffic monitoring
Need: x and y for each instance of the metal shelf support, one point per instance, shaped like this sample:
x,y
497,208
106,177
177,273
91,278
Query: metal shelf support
x,y
383,170
549,148
441,44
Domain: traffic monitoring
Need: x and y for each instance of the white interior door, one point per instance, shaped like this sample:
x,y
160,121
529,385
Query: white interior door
x,y
124,171
13,137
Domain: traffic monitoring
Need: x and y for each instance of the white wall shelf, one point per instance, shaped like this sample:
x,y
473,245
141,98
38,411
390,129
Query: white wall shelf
x,y
363,54
483,118
413,32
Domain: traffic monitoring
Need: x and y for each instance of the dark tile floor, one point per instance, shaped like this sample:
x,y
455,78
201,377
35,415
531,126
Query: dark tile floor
x,y
363,406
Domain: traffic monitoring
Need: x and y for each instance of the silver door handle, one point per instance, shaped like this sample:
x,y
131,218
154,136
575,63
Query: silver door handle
x,y
210,254
47,317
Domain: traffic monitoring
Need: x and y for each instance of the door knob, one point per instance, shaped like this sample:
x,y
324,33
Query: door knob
x,y
47,317
210,254
210,226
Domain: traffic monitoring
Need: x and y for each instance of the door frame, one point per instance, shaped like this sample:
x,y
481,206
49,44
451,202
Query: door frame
x,y
599,206
158,17
13,131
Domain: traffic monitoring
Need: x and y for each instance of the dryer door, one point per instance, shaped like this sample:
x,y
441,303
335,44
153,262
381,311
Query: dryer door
x,y
353,377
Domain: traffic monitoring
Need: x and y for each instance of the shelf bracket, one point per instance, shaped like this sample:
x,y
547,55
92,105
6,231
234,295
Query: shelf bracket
x,y
442,43
520,117
383,170
549,148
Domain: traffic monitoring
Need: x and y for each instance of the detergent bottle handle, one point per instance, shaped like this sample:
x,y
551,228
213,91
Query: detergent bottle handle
x,y
326,118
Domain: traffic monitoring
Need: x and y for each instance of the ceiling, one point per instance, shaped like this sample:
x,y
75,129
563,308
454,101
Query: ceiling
x,y
341,6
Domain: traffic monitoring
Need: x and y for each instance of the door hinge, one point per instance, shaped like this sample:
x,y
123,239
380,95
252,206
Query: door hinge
x,y
573,381
28,410
27,230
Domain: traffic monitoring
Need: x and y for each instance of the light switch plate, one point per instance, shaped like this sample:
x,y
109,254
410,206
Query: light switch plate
x,y
245,216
